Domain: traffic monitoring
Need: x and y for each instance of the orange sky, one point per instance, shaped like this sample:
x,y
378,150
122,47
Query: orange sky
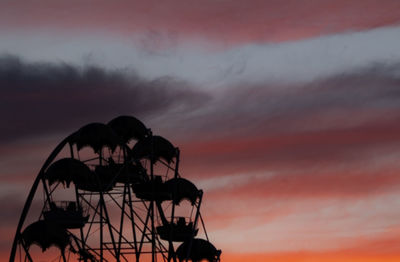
x,y
300,170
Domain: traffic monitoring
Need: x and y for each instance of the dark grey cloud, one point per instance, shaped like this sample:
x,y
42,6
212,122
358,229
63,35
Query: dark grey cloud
x,y
347,100
43,98
351,120
343,117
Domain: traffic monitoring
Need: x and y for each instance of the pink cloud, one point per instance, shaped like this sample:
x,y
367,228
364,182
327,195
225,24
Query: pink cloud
x,y
224,21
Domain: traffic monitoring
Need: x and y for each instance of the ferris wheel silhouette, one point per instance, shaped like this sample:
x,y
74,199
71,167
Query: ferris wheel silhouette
x,y
113,192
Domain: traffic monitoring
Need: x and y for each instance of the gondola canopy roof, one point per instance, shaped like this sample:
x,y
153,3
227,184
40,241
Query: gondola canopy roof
x,y
66,170
96,136
128,128
45,234
155,148
181,189
199,249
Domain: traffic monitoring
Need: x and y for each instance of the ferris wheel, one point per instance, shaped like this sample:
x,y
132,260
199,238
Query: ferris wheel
x,y
113,192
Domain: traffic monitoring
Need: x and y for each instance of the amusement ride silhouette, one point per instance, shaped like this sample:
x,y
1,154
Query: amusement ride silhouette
x,y
113,192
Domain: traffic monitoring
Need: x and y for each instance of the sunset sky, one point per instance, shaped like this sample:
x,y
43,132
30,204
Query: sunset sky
x,y
287,113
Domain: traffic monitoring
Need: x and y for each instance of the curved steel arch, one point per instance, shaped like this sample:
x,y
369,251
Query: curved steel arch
x,y
32,192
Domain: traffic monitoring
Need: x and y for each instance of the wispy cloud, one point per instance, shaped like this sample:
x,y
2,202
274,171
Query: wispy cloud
x,y
209,67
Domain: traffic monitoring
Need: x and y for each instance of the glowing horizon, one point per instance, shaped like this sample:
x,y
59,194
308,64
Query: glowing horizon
x,y
286,114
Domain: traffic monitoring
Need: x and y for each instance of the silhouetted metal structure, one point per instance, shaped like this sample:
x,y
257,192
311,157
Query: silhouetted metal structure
x,y
112,192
